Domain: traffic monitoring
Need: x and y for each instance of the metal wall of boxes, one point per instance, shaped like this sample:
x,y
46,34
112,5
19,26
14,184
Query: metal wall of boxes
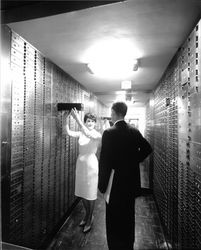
x,y
38,159
175,134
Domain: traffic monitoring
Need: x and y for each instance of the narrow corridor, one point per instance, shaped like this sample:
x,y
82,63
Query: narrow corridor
x,y
148,230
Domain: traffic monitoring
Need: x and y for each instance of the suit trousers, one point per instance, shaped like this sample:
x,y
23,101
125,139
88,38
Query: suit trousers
x,y
120,224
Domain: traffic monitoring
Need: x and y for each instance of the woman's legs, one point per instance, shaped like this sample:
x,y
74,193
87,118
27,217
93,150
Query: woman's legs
x,y
89,208
86,207
90,205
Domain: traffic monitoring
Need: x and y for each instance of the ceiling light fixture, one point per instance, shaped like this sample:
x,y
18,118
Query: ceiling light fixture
x,y
126,84
113,68
112,58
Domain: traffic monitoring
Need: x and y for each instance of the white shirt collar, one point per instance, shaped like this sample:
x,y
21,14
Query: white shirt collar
x,y
118,121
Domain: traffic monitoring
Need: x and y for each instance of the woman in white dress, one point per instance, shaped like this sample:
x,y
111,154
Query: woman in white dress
x,y
86,179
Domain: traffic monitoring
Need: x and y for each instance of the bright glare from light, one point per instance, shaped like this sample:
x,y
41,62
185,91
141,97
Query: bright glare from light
x,y
121,92
5,76
112,58
121,96
91,104
111,69
126,84
129,103
151,102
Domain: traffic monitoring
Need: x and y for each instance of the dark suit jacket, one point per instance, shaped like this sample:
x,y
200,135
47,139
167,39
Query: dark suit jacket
x,y
123,148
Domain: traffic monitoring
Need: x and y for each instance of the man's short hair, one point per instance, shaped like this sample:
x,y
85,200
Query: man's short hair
x,y
120,108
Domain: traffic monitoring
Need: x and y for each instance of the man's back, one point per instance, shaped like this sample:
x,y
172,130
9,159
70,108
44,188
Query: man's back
x,y
122,149
124,144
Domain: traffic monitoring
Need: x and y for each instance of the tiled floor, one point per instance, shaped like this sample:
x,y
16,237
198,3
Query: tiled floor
x,y
148,231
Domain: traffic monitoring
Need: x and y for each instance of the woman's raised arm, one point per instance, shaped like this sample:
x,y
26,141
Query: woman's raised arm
x,y
91,134
66,120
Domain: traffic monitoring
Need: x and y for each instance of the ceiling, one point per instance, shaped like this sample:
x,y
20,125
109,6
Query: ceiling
x,y
157,28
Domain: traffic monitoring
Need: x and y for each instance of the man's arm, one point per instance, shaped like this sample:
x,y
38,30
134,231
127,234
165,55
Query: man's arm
x,y
104,166
144,149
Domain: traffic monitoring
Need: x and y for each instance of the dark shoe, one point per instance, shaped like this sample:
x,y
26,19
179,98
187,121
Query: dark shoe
x,y
88,228
82,223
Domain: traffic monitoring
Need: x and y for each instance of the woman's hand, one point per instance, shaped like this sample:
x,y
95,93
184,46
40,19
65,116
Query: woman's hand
x,y
75,115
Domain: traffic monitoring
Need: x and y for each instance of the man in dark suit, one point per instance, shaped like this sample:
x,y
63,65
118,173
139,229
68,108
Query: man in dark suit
x,y
123,148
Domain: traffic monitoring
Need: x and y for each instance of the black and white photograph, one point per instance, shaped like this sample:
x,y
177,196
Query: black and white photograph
x,y
100,125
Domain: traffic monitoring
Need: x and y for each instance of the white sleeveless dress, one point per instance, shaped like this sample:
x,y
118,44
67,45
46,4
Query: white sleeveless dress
x,y
86,179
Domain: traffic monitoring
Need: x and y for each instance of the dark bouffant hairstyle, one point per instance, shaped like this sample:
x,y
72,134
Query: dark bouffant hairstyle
x,y
120,108
89,116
